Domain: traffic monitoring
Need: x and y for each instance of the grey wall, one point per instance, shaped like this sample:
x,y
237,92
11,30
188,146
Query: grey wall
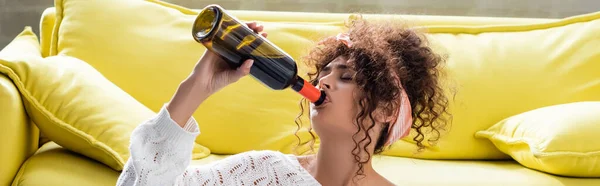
x,y
16,14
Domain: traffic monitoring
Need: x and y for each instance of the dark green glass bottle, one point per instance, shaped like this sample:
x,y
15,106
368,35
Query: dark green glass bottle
x,y
223,34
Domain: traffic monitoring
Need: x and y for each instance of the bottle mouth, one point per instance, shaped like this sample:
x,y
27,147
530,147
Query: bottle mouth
x,y
206,22
309,91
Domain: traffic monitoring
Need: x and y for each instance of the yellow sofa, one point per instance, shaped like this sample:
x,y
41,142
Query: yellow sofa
x,y
485,65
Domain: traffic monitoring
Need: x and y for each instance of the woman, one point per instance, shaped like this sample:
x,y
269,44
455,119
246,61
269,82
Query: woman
x,y
381,80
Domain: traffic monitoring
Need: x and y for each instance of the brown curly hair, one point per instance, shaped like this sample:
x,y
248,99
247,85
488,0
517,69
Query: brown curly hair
x,y
380,51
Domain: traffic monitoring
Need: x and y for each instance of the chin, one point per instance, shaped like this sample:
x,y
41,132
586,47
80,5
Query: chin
x,y
319,114
316,117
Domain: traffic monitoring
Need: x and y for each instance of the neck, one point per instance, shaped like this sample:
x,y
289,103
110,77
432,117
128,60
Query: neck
x,y
335,164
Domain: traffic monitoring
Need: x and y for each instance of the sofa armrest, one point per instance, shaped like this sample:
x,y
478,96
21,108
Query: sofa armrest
x,y
18,135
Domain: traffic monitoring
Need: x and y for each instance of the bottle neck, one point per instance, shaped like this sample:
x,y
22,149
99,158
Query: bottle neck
x,y
308,91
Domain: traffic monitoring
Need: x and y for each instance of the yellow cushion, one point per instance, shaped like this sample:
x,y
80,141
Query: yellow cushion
x,y
53,165
47,22
560,139
75,106
24,44
498,70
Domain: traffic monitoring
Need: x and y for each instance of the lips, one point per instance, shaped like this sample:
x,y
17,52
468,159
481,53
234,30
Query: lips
x,y
326,101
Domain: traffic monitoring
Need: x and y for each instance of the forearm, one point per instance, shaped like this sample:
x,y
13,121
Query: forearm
x,y
160,151
161,147
188,97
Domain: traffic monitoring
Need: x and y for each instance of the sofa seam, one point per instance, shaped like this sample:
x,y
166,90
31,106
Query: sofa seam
x,y
456,29
536,152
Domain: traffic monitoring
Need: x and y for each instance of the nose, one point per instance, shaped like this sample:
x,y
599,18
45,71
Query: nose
x,y
325,82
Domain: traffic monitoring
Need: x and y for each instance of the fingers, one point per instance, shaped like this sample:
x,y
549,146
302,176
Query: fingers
x,y
258,28
248,63
244,69
251,24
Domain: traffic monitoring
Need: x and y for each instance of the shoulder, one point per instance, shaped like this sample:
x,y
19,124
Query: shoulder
x,y
380,180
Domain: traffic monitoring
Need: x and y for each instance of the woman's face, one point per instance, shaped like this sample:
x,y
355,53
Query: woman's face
x,y
334,118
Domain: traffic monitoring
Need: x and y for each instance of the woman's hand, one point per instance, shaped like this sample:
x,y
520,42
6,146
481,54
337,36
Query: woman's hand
x,y
210,75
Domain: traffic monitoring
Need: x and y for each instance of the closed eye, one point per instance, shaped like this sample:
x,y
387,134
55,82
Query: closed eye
x,y
346,78
337,68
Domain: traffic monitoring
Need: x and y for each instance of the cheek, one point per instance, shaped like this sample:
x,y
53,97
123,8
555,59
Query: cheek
x,y
346,105
347,99
346,110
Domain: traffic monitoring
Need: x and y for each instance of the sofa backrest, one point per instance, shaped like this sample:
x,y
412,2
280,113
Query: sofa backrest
x,y
497,67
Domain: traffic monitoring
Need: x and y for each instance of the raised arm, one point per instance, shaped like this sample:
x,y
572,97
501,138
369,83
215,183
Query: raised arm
x,y
161,147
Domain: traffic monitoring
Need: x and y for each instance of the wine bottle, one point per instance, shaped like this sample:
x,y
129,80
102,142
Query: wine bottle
x,y
235,42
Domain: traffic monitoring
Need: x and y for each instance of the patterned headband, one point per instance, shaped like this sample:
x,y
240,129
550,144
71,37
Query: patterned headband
x,y
402,122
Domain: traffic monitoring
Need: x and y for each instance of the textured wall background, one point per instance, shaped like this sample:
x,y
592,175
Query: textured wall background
x,y
16,14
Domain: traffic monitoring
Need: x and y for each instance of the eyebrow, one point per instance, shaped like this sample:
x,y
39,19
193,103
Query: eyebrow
x,y
336,66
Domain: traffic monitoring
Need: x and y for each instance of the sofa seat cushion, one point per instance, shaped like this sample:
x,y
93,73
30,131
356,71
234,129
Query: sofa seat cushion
x,y
54,165
416,172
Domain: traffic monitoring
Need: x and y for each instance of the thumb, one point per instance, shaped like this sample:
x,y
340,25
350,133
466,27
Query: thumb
x,y
243,70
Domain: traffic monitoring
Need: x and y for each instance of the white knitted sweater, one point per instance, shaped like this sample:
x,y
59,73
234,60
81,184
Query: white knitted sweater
x,y
161,154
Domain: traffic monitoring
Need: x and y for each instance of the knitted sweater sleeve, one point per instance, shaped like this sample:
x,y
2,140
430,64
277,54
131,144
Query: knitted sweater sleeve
x,y
161,153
